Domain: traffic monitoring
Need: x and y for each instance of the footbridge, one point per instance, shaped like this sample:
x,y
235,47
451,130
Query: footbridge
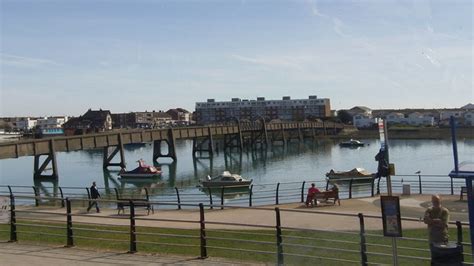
x,y
237,135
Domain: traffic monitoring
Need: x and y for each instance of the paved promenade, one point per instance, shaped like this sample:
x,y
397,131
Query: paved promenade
x,y
411,206
17,254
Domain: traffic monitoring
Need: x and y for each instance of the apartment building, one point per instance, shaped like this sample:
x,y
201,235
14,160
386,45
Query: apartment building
x,y
286,109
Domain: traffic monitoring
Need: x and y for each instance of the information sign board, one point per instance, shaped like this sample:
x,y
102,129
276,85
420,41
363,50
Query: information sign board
x,y
392,222
4,210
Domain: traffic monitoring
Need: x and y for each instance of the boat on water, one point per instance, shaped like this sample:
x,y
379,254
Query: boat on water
x,y
356,173
352,143
142,171
226,179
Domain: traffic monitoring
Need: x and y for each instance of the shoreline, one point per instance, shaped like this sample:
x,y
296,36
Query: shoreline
x,y
407,133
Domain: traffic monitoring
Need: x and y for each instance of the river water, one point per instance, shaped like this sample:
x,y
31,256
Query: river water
x,y
295,162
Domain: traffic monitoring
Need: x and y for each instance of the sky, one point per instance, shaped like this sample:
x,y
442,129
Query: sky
x,y
66,56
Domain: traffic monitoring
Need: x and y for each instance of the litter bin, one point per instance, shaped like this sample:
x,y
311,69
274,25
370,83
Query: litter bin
x,y
446,254
406,189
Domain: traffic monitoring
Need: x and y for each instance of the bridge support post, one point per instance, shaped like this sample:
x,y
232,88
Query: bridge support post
x,y
300,134
170,142
234,140
39,168
199,144
116,149
260,137
282,133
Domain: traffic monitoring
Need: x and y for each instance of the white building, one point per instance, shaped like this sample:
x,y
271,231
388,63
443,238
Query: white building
x,y
396,118
469,118
24,124
51,122
363,121
419,119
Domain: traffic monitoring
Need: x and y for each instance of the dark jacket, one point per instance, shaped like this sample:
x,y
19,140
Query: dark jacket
x,y
94,192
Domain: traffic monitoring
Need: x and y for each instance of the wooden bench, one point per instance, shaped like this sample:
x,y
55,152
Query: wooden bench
x,y
137,202
463,191
326,195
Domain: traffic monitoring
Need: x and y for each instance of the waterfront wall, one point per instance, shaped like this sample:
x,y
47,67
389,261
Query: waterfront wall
x,y
409,133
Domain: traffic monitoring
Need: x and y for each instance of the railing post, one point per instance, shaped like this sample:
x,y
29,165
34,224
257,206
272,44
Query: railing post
x,y
203,232
62,197
419,184
35,190
222,198
133,236
69,232
363,246
327,185
250,195
350,188
279,239
378,186
373,187
460,238
210,197
452,187
302,191
276,196
89,203
13,235
10,190
179,199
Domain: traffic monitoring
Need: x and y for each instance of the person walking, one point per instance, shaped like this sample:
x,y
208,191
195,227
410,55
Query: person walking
x,y
95,195
437,218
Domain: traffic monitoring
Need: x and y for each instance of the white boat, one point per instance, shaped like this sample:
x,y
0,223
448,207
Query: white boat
x,y
226,179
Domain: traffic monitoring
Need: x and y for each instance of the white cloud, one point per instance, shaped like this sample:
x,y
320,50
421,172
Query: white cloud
x,y
22,61
286,62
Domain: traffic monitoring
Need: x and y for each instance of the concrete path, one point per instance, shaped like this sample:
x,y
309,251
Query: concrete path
x,y
15,254
294,215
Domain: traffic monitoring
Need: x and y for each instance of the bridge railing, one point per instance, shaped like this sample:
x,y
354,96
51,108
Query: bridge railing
x,y
272,240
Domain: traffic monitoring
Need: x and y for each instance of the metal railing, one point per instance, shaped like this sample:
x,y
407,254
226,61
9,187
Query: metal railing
x,y
274,242
254,195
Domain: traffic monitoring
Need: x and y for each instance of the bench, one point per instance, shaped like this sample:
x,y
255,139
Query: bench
x,y
326,195
137,202
463,191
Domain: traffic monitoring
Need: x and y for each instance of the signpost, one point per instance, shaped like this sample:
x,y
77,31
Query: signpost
x,y
464,170
384,148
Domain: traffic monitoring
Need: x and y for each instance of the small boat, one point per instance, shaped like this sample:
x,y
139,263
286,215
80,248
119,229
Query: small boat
x,y
356,173
226,179
142,171
352,143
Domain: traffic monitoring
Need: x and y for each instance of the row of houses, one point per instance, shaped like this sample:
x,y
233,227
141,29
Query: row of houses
x,y
364,117
96,121
102,120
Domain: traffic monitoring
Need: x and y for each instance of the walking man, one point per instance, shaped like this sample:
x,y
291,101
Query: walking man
x,y
437,218
94,196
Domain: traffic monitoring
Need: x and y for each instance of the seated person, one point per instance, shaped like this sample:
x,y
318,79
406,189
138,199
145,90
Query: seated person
x,y
311,192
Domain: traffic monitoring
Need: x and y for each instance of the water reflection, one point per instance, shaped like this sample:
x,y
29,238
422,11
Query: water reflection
x,y
227,193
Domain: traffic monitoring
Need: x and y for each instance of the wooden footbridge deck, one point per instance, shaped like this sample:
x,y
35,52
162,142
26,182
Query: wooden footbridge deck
x,y
237,135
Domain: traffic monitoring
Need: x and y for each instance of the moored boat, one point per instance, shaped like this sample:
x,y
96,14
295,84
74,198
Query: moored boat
x,y
142,171
352,143
226,179
356,173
